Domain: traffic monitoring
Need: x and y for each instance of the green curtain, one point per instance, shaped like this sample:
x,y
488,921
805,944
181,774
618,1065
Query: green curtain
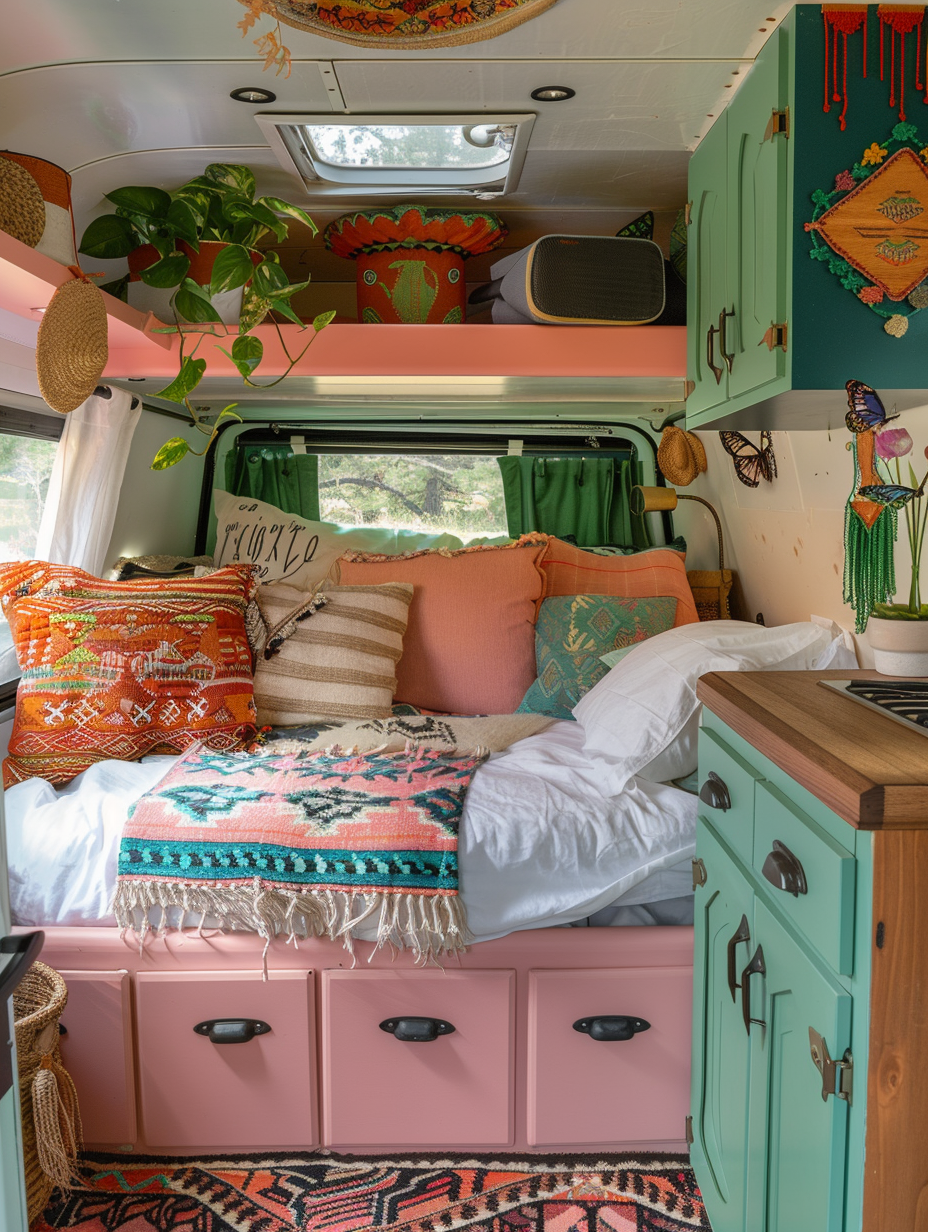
x,y
583,499
274,474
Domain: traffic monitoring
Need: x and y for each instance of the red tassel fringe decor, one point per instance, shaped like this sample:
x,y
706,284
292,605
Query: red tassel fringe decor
x,y
843,19
901,19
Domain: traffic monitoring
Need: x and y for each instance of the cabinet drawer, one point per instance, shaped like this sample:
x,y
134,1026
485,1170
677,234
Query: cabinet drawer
x,y
734,824
256,1094
97,1051
824,909
379,1090
608,1092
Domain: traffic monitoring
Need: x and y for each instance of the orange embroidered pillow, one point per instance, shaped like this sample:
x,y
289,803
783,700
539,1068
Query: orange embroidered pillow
x,y
121,669
643,575
469,646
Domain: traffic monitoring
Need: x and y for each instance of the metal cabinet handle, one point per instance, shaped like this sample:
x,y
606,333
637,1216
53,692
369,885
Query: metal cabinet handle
x,y
710,351
715,793
611,1027
741,933
231,1030
729,358
784,871
416,1030
755,967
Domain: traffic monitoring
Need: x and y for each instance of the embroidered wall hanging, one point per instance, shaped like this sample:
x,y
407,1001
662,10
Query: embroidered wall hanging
x,y
397,23
871,228
896,19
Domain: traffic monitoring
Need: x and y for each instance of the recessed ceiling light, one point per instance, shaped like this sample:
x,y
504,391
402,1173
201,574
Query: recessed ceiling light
x,y
253,94
552,94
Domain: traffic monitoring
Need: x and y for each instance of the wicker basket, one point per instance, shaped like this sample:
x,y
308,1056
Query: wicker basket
x,y
48,1102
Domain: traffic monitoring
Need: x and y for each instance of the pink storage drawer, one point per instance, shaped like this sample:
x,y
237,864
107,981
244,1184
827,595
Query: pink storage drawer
x,y
581,1089
97,1051
196,1094
455,1090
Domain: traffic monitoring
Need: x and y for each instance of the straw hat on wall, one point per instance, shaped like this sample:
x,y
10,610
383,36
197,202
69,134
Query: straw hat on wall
x,y
71,351
680,456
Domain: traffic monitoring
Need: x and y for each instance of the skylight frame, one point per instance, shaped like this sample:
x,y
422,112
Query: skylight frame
x,y
324,180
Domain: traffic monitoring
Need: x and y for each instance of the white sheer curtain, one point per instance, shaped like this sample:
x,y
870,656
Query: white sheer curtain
x,y
80,509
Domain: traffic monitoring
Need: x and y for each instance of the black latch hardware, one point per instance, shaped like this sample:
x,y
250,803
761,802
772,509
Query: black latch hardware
x,y
416,1030
231,1030
611,1027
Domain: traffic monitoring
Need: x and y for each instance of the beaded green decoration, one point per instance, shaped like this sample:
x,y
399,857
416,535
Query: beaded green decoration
x,y
869,570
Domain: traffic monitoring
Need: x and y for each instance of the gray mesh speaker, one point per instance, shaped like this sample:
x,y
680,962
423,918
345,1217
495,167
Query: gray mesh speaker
x,y
578,280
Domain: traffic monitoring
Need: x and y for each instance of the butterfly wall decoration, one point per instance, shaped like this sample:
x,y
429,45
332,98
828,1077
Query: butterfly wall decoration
x,y
752,462
865,408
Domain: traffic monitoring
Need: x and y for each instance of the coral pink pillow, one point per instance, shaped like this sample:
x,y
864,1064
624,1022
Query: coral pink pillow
x,y
469,646
644,575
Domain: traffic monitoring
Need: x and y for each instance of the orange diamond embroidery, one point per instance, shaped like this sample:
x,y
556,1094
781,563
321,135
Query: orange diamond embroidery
x,y
879,228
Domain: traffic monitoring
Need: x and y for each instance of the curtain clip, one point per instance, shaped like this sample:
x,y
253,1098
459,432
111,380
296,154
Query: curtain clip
x,y
298,444
515,449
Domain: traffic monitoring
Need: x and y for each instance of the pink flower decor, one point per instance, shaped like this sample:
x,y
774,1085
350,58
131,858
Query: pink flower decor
x,y
870,295
893,443
844,181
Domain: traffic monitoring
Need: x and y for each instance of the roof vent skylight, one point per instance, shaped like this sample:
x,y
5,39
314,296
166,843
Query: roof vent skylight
x,y
387,155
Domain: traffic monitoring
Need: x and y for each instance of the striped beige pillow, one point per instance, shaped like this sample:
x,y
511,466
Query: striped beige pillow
x,y
329,655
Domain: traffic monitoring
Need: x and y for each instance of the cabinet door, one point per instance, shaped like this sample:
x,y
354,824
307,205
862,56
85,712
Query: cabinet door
x,y
797,1139
96,1048
758,217
707,287
724,942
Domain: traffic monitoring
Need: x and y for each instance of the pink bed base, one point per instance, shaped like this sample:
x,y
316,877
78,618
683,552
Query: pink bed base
x,y
513,1076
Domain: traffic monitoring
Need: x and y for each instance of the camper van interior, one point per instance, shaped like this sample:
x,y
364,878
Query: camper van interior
x,y
463,673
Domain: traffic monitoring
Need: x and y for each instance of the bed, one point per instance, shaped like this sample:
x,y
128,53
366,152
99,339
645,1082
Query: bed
x,y
539,1036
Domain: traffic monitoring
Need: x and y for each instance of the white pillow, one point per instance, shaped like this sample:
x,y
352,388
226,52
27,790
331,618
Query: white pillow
x,y
642,718
285,547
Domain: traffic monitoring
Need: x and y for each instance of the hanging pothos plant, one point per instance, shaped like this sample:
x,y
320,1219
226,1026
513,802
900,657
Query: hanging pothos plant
x,y
166,234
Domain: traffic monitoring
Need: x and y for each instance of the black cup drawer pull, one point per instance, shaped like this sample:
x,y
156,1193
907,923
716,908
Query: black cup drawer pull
x,y
416,1030
783,870
611,1027
715,793
231,1030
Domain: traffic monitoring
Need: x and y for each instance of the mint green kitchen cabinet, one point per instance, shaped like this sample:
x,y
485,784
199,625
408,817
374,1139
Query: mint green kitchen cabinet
x,y
772,334
810,1007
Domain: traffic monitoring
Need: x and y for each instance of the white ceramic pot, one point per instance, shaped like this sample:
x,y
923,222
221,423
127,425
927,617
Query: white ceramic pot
x,y
900,647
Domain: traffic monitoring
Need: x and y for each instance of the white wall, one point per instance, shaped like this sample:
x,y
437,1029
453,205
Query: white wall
x,y
786,538
157,510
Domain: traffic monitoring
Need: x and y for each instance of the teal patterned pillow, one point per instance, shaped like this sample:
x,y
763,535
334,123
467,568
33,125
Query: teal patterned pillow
x,y
571,634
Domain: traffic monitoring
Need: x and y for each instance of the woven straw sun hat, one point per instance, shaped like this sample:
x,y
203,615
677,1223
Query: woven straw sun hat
x,y
680,456
71,350
22,206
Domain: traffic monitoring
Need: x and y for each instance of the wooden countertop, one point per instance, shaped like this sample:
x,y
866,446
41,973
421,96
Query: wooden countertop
x,y
867,768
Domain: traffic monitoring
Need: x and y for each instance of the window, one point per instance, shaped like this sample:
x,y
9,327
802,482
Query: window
x,y
28,444
454,493
480,154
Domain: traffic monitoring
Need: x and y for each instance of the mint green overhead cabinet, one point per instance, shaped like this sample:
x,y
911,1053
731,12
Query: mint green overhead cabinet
x,y
772,334
810,1022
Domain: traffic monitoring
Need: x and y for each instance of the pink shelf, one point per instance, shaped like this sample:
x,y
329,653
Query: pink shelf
x,y
438,350
28,279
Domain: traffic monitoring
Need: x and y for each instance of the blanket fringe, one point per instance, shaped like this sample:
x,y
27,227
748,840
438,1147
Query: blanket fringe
x,y
429,925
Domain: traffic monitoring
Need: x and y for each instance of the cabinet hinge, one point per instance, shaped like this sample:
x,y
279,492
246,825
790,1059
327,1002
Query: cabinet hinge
x,y
778,124
837,1076
700,876
689,1131
688,213
775,337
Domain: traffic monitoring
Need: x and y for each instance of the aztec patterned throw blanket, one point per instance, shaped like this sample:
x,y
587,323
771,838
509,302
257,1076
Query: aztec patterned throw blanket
x,y
303,843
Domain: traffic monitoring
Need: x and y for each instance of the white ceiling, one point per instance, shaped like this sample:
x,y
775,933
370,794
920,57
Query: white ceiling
x,y
137,91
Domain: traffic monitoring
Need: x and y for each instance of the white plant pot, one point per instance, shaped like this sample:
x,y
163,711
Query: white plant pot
x,y
158,300
900,647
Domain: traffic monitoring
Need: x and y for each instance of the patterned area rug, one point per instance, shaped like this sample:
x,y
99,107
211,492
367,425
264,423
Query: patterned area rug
x,y
317,1193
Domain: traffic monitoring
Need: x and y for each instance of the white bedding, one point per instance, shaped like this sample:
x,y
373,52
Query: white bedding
x,y
538,845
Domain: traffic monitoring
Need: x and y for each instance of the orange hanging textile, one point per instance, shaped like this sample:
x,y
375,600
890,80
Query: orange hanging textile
x,y
902,19
843,19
